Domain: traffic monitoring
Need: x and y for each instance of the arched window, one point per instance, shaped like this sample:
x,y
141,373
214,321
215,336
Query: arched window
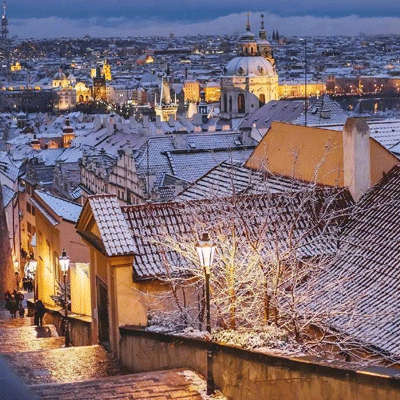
x,y
241,104
80,98
262,99
230,103
251,50
246,50
225,102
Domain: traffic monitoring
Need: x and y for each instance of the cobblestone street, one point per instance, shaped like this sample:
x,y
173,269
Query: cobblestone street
x,y
38,356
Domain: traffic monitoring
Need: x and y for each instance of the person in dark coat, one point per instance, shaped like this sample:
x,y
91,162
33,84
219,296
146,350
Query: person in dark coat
x,y
39,311
13,307
21,311
7,298
20,298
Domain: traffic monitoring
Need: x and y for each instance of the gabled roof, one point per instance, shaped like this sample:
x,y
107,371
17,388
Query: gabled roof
x,y
115,235
232,177
65,209
324,111
134,230
370,264
8,194
274,110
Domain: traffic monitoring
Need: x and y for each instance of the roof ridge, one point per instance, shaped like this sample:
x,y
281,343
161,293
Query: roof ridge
x,y
101,195
58,197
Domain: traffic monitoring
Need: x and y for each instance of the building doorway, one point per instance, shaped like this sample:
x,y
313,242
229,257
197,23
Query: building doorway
x,y
103,318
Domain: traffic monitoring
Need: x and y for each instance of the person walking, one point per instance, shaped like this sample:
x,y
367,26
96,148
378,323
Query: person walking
x,y
13,307
7,298
20,298
39,311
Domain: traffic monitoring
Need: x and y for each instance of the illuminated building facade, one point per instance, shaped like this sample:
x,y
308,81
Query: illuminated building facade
x,y
191,90
296,89
166,108
212,92
249,80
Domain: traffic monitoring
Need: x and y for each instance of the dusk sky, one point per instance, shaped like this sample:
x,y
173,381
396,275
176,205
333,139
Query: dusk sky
x,y
41,18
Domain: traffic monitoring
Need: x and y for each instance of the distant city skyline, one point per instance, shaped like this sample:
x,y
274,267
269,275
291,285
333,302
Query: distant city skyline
x,y
74,18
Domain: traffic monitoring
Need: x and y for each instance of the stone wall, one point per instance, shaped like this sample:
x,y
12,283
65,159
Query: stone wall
x,y
79,326
242,374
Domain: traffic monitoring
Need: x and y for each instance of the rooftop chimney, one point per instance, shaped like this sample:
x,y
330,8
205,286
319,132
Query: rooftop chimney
x,y
356,156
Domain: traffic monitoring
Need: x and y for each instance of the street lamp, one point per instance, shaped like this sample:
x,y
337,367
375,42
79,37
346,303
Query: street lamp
x,y
64,265
206,249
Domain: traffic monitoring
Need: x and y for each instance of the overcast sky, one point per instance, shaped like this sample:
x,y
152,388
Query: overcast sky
x,y
51,18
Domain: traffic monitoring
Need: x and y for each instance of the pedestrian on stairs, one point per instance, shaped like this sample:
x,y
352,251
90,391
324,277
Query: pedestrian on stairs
x,y
21,311
39,310
7,298
13,307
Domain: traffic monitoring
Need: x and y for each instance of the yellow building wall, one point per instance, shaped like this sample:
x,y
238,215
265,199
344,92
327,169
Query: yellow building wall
x,y
312,154
47,253
80,289
136,299
51,240
212,94
192,91
382,161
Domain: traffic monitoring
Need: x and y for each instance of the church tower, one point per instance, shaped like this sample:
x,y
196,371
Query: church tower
x,y
4,24
107,70
166,107
249,80
263,45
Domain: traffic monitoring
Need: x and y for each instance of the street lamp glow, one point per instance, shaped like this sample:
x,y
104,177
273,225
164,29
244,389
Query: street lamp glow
x,y
33,266
64,265
205,249
64,262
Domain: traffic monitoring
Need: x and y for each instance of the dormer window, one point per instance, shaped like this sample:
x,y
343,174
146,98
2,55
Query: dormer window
x,y
240,71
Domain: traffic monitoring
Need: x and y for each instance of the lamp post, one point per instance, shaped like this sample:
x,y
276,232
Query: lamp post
x,y
305,80
64,265
206,249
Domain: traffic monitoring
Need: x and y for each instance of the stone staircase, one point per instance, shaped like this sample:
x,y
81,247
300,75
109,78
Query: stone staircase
x,y
161,385
52,371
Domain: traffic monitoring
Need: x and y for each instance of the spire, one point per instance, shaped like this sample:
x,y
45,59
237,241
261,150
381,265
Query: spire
x,y
4,9
248,22
263,33
162,90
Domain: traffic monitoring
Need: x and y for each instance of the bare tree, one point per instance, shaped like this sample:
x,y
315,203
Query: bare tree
x,y
274,254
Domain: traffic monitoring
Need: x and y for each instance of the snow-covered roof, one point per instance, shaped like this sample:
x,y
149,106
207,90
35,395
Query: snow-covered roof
x,y
231,177
133,230
369,263
63,208
8,194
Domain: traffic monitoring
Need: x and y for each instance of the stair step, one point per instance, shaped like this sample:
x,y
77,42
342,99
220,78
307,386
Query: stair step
x,y
64,365
172,384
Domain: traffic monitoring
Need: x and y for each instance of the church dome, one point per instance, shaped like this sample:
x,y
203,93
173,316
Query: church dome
x,y
263,42
59,76
247,36
244,66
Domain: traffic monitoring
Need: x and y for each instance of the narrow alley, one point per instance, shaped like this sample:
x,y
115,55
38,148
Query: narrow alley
x,y
51,371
